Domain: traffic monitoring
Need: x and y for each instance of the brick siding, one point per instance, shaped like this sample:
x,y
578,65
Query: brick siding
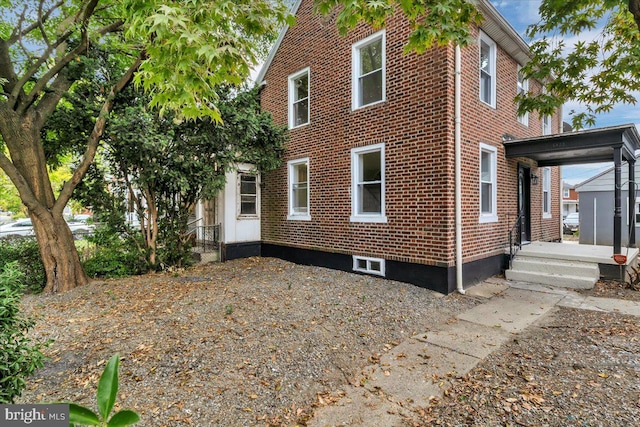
x,y
416,124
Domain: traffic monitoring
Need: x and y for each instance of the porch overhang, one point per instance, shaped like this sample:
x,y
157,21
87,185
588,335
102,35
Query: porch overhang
x,y
588,146
615,143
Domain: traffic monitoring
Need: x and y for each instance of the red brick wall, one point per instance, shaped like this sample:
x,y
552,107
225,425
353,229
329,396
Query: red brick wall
x,y
416,125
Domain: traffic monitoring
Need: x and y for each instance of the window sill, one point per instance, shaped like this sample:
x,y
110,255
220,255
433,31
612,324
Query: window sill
x,y
364,218
299,126
546,216
488,105
360,107
488,218
299,217
247,217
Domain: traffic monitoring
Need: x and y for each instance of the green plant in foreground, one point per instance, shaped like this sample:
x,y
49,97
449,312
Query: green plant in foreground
x,y
19,357
106,397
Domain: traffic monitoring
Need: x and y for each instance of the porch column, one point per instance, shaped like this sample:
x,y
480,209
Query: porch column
x,y
617,200
632,207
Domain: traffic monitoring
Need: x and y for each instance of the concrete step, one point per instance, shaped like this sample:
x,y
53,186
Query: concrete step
x,y
560,280
546,265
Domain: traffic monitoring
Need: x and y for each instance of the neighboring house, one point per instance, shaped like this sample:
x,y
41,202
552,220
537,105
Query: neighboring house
x,y
236,209
569,199
596,201
368,180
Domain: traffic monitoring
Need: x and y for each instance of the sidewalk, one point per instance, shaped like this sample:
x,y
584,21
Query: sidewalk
x,y
407,376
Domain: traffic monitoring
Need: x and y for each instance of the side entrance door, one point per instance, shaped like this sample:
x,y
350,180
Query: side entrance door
x,y
524,202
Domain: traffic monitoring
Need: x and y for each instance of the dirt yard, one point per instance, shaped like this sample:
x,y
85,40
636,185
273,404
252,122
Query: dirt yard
x,y
264,342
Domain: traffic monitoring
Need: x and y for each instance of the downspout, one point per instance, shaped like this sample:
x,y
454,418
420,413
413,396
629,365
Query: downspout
x,y
458,174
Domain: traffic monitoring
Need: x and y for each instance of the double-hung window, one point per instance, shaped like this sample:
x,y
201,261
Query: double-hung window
x,y
368,70
299,98
487,70
367,192
488,184
546,125
546,193
248,191
523,88
299,189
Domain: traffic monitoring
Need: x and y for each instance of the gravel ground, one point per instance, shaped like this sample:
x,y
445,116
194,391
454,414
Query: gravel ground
x,y
574,368
247,342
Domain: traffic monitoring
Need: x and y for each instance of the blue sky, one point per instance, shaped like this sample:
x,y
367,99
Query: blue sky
x,y
522,13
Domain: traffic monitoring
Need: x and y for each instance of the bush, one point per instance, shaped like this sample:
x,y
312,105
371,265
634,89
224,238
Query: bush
x,y
112,255
24,251
19,357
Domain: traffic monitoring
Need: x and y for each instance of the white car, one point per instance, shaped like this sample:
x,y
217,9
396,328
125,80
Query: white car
x,y
22,227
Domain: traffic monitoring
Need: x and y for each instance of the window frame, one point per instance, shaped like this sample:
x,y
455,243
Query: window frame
x,y
546,192
486,217
239,176
355,69
291,101
522,87
291,166
566,193
546,125
356,216
493,62
368,268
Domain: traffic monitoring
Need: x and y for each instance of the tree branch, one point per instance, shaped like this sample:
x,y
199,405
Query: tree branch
x,y
96,134
17,33
26,195
634,8
6,69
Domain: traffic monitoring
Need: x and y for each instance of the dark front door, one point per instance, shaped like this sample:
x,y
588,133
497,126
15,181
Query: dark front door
x,y
524,202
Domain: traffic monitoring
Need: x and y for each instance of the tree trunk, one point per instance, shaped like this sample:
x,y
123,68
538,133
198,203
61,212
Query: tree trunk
x,y
30,176
59,254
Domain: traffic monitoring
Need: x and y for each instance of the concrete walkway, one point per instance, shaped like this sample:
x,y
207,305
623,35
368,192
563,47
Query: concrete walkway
x,y
412,373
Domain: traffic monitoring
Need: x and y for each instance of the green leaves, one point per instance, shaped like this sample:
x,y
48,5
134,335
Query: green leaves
x,y
106,397
596,71
433,22
108,386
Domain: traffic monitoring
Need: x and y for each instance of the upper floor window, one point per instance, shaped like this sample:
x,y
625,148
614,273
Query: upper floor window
x,y
488,184
248,194
523,87
367,192
368,68
546,192
299,98
487,70
299,189
566,193
546,125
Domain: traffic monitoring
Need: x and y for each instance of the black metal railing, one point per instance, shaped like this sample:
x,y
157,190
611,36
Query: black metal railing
x,y
206,238
515,238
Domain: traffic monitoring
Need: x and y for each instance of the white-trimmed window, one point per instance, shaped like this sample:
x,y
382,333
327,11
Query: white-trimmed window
x,y
637,212
546,193
546,125
299,98
523,88
488,183
299,189
247,194
368,70
367,189
487,70
368,265
566,194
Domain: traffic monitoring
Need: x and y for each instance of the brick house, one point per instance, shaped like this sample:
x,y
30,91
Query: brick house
x,y
369,176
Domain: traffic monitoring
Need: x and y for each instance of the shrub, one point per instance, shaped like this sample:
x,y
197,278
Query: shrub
x,y
112,255
19,357
24,251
